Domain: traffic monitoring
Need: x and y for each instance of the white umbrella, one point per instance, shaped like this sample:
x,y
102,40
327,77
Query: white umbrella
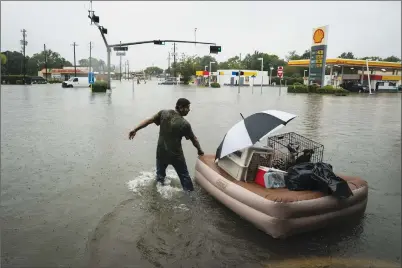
x,y
252,129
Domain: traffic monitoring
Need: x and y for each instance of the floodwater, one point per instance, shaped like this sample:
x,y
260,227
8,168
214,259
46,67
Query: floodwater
x,y
75,192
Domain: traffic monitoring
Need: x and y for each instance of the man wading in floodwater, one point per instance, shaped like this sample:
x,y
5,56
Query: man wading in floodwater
x,y
169,151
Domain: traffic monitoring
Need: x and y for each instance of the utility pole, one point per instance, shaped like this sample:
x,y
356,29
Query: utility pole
x,y
90,56
174,59
44,49
125,68
168,63
128,69
75,65
120,64
24,43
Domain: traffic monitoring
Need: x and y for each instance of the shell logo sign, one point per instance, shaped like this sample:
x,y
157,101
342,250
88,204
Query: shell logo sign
x,y
318,36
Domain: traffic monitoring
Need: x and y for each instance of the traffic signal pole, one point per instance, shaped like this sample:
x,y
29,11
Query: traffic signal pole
x,y
95,19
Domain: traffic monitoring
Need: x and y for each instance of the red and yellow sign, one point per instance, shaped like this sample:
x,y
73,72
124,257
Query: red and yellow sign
x,y
320,36
201,73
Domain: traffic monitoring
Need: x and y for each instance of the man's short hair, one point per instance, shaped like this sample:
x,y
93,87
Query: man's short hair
x,y
182,102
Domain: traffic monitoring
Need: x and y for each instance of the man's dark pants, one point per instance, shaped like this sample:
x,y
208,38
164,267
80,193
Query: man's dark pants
x,y
181,169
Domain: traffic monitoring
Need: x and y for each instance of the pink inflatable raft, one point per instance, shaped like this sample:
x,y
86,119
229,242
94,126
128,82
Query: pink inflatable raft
x,y
278,212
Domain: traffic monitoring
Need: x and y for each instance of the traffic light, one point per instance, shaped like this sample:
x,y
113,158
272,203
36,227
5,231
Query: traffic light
x,y
215,49
158,42
104,30
95,19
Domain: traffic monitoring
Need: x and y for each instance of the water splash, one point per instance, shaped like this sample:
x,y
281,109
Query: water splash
x,y
145,178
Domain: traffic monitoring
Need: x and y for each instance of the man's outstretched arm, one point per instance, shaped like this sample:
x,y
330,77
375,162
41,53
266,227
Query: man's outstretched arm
x,y
155,119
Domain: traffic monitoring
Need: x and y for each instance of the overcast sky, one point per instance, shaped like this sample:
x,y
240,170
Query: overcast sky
x,y
365,28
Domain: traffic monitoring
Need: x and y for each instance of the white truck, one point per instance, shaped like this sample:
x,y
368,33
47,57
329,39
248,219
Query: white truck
x,y
78,82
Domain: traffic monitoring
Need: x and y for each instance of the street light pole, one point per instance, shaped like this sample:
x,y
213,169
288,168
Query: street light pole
x,y
304,75
209,73
270,75
262,69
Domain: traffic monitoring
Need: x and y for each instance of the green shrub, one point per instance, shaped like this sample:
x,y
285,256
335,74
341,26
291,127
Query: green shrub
x,y
313,88
319,90
289,80
298,89
18,82
331,90
99,86
215,85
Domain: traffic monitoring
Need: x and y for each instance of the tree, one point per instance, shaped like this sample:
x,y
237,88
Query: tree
x,y
153,70
372,58
305,55
392,59
187,68
231,63
83,62
3,59
347,55
53,61
200,63
292,55
97,65
13,65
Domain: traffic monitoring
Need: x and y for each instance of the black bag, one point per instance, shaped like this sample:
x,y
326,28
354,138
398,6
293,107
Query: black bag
x,y
316,177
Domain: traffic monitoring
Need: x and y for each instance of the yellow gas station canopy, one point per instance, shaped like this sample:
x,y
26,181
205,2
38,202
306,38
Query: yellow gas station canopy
x,y
349,62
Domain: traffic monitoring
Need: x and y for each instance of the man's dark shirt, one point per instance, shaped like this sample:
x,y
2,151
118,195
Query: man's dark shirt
x,y
172,128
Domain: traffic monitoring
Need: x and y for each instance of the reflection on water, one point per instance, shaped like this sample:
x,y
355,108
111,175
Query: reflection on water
x,y
313,114
75,187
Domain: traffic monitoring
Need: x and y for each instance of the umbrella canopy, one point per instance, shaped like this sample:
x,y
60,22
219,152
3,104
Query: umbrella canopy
x,y
252,129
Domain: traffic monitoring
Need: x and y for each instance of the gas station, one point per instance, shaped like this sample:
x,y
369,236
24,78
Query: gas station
x,y
378,75
341,70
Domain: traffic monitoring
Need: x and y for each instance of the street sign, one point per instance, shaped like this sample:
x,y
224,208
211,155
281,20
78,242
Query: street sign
x,y
280,71
120,53
91,78
120,48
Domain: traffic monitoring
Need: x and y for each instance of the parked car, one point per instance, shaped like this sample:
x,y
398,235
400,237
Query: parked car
x,y
38,80
354,87
168,81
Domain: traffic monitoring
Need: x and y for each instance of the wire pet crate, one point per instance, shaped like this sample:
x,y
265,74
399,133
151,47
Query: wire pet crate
x,y
289,146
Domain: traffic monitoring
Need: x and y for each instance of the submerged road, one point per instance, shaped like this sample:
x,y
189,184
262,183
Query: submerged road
x,y
75,192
